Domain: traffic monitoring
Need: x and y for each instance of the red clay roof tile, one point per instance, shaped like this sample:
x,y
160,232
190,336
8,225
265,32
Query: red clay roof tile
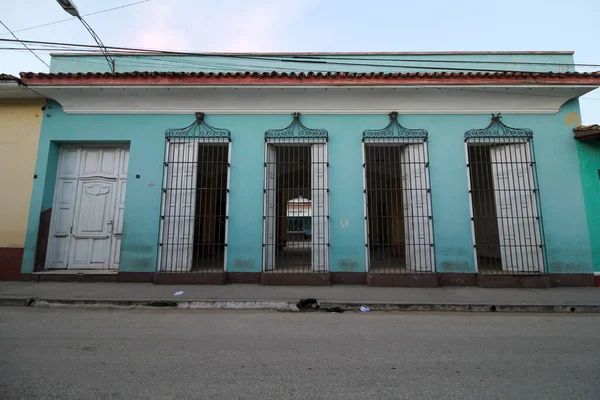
x,y
8,77
324,78
587,132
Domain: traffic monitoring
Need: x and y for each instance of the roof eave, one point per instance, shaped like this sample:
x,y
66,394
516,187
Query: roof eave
x,y
587,133
167,79
309,53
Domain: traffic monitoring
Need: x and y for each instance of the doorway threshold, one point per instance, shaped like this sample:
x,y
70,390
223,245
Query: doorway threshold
x,y
78,272
76,275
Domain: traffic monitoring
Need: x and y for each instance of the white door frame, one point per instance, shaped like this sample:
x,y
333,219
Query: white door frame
x,y
77,179
200,141
327,225
390,142
471,211
365,208
269,224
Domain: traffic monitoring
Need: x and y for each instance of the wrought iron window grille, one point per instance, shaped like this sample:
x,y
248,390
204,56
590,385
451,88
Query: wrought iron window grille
x,y
296,200
497,129
296,130
395,130
398,217
506,213
194,217
199,129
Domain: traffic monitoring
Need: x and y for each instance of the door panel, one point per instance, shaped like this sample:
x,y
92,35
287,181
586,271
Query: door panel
x,y
93,223
62,210
115,247
108,162
180,201
269,238
320,208
69,163
417,208
516,208
90,188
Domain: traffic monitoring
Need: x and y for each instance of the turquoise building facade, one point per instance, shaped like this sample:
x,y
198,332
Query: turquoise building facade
x,y
446,95
588,146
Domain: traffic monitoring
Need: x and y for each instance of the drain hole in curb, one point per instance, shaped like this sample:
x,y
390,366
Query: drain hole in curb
x,y
572,309
30,302
493,308
162,304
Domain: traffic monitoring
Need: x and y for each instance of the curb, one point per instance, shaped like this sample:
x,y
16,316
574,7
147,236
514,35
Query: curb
x,y
464,307
271,305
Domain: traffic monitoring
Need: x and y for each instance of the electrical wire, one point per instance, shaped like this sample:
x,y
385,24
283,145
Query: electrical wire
x,y
446,61
17,39
242,68
165,63
268,58
71,19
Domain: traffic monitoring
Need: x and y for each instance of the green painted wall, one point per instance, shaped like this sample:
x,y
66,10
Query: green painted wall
x,y
143,197
415,62
589,163
566,227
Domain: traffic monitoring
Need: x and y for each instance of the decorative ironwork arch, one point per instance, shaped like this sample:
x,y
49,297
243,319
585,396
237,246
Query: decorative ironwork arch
x,y
395,130
199,129
496,129
296,130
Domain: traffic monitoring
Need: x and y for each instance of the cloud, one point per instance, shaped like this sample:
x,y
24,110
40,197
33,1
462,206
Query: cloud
x,y
263,27
226,26
158,28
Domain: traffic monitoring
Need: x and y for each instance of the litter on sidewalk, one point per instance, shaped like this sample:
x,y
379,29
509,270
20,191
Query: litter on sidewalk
x,y
364,309
178,293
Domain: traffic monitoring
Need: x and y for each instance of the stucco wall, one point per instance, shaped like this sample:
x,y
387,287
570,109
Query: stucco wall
x,y
589,159
568,244
355,62
19,135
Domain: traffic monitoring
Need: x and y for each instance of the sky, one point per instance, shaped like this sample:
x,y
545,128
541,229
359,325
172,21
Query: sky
x,y
316,25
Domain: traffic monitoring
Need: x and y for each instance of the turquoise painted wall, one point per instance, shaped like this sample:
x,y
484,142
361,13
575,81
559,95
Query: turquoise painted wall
x,y
589,158
416,62
568,245
139,245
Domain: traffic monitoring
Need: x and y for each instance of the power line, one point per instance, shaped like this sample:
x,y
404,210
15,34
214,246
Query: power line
x,y
94,46
243,68
267,58
101,46
170,63
446,61
17,39
330,59
162,63
71,19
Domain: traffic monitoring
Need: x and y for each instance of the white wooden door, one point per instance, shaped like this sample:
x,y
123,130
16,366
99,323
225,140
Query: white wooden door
x,y
320,208
516,208
89,196
115,255
269,212
63,206
92,223
177,248
417,208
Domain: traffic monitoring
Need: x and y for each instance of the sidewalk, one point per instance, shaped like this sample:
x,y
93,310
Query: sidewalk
x,y
285,297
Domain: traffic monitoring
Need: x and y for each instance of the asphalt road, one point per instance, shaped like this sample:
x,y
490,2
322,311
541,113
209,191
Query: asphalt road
x,y
189,354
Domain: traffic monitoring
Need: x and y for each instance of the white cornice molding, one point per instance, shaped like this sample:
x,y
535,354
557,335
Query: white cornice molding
x,y
312,100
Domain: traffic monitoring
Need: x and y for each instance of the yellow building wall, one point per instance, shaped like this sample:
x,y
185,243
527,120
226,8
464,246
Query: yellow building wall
x,y
20,122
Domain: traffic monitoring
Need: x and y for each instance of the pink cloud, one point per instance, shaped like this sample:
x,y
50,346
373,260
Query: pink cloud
x,y
209,26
